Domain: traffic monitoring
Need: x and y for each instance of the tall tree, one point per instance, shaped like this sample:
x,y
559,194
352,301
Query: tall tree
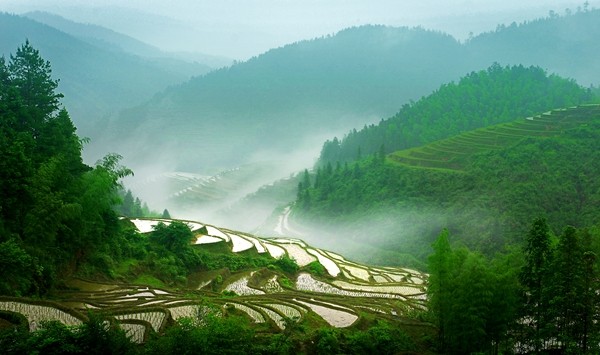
x,y
31,76
440,288
534,280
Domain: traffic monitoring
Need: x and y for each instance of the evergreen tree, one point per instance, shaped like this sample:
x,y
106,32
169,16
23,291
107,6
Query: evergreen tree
x,y
31,76
573,292
440,285
127,206
534,280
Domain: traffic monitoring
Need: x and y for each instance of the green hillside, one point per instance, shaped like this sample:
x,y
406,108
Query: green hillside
x,y
457,152
301,92
498,94
484,185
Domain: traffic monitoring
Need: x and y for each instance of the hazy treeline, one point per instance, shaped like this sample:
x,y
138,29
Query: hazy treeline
x,y
314,88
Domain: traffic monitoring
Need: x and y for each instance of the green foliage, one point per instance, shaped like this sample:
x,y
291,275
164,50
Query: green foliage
x,y
541,300
472,300
486,204
316,268
95,336
215,335
534,277
55,208
483,98
381,338
16,268
287,264
285,282
176,237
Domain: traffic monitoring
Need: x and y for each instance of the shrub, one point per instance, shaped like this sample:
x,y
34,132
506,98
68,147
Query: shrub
x,y
316,268
287,264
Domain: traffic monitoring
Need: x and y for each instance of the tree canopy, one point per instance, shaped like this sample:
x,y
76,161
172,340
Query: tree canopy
x,y
49,199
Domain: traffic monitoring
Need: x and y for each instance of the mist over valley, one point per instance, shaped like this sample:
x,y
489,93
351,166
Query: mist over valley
x,y
347,177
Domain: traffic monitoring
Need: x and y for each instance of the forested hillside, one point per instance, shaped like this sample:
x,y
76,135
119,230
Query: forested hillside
x,y
498,94
505,175
324,87
97,82
294,95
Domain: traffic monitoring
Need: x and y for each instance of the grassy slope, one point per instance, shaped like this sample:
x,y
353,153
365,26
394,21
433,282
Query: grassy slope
x,y
456,152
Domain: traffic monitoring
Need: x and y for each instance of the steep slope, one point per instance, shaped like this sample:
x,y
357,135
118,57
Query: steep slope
x,y
110,40
457,152
328,290
95,81
498,94
484,185
293,95
313,88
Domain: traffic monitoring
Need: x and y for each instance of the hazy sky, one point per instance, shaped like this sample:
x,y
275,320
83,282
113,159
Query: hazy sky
x,y
240,29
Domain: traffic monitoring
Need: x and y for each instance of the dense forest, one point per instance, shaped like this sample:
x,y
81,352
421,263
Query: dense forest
x,y
540,298
483,98
50,200
487,203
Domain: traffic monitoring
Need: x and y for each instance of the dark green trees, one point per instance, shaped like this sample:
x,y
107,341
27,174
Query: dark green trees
x,y
440,268
176,236
54,210
544,300
572,294
534,279
469,298
479,99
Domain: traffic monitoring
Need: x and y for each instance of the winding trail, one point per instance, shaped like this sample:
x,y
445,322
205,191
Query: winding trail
x,y
283,225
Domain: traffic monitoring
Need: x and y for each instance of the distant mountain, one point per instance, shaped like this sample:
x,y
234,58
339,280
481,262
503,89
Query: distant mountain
x,y
189,64
566,45
97,35
95,81
289,98
292,97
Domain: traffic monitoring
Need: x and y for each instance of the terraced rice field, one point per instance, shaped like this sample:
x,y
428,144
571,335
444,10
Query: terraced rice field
x,y
453,153
338,299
